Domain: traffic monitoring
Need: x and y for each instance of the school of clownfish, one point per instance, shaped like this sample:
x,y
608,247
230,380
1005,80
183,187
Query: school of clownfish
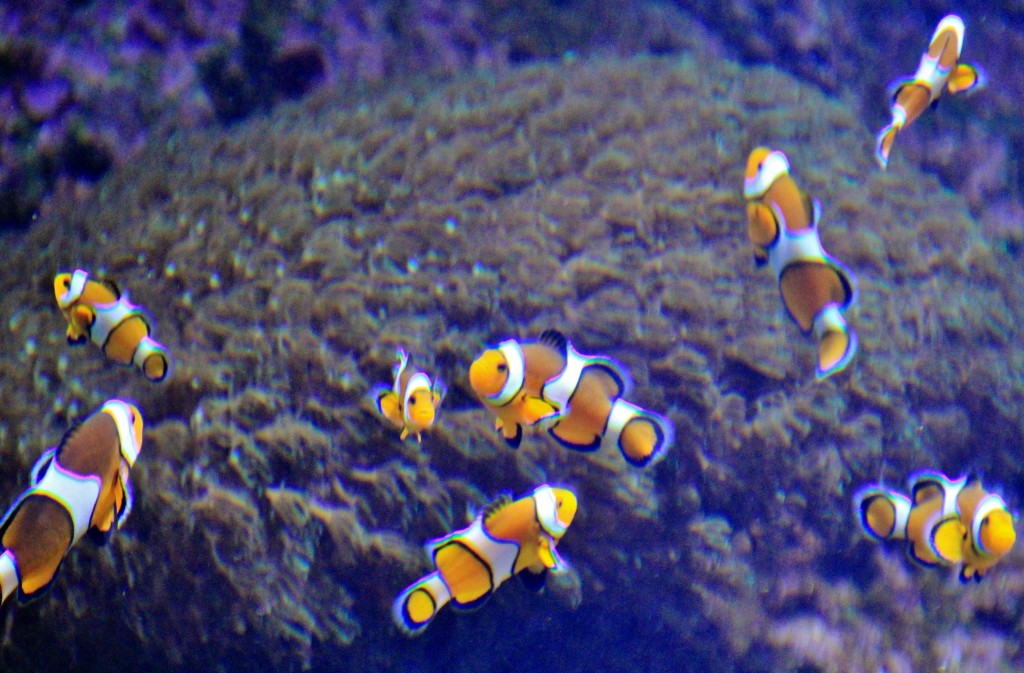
x,y
81,487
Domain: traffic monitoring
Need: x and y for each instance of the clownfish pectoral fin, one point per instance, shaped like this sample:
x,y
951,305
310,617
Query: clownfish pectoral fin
x,y
969,572
535,409
100,534
405,433
534,578
966,77
516,438
947,539
417,606
390,407
548,554
75,336
437,393
82,317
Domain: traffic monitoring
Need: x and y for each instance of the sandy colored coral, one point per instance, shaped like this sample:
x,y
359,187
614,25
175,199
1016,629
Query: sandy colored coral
x,y
277,516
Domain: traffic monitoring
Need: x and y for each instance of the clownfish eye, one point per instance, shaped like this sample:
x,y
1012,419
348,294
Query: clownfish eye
x,y
502,368
412,400
67,282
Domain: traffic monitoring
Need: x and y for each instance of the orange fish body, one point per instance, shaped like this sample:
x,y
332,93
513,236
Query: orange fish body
x,y
577,398
98,311
81,487
508,538
939,69
816,288
412,401
946,522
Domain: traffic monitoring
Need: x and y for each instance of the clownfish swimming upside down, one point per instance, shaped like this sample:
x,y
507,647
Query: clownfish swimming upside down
x,y
940,69
80,487
98,311
816,288
947,522
412,401
509,537
578,398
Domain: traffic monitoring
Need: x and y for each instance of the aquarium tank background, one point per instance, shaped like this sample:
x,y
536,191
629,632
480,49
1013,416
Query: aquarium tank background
x,y
282,195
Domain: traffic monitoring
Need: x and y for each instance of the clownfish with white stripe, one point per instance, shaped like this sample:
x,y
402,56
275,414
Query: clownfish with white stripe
x,y
577,398
411,403
816,288
77,489
946,522
940,68
98,311
509,537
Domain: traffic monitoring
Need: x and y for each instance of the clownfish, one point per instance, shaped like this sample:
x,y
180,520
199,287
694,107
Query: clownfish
x,y
945,521
578,398
509,537
98,311
411,403
940,68
816,288
80,487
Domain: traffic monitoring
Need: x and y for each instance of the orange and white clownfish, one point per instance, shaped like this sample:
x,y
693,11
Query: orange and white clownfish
x,y
940,69
412,401
98,311
79,488
947,522
509,537
816,288
577,398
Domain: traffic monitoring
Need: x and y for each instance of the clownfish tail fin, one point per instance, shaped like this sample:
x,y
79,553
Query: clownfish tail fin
x,y
883,513
416,607
886,138
641,435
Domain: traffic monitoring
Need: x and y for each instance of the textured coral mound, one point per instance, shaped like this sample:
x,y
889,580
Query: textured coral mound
x,y
277,517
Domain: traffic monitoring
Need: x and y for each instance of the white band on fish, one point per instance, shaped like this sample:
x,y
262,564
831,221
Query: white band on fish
x,y
498,555
76,493
559,389
418,381
108,317
547,512
988,504
829,319
119,411
146,348
901,507
9,580
774,165
513,354
75,290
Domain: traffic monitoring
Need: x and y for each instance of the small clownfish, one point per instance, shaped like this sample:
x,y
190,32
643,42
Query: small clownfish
x,y
79,488
411,404
946,521
940,68
816,288
507,538
578,398
98,311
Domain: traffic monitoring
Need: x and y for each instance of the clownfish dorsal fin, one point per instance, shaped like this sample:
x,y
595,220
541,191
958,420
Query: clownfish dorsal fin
x,y
69,435
112,286
556,340
495,506
972,479
926,488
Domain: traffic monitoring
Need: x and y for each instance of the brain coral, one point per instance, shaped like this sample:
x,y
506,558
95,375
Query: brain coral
x,y
276,517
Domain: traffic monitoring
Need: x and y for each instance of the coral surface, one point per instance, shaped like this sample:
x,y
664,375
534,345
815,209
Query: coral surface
x,y
277,517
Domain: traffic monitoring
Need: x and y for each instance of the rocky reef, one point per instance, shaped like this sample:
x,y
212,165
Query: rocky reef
x,y
277,516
